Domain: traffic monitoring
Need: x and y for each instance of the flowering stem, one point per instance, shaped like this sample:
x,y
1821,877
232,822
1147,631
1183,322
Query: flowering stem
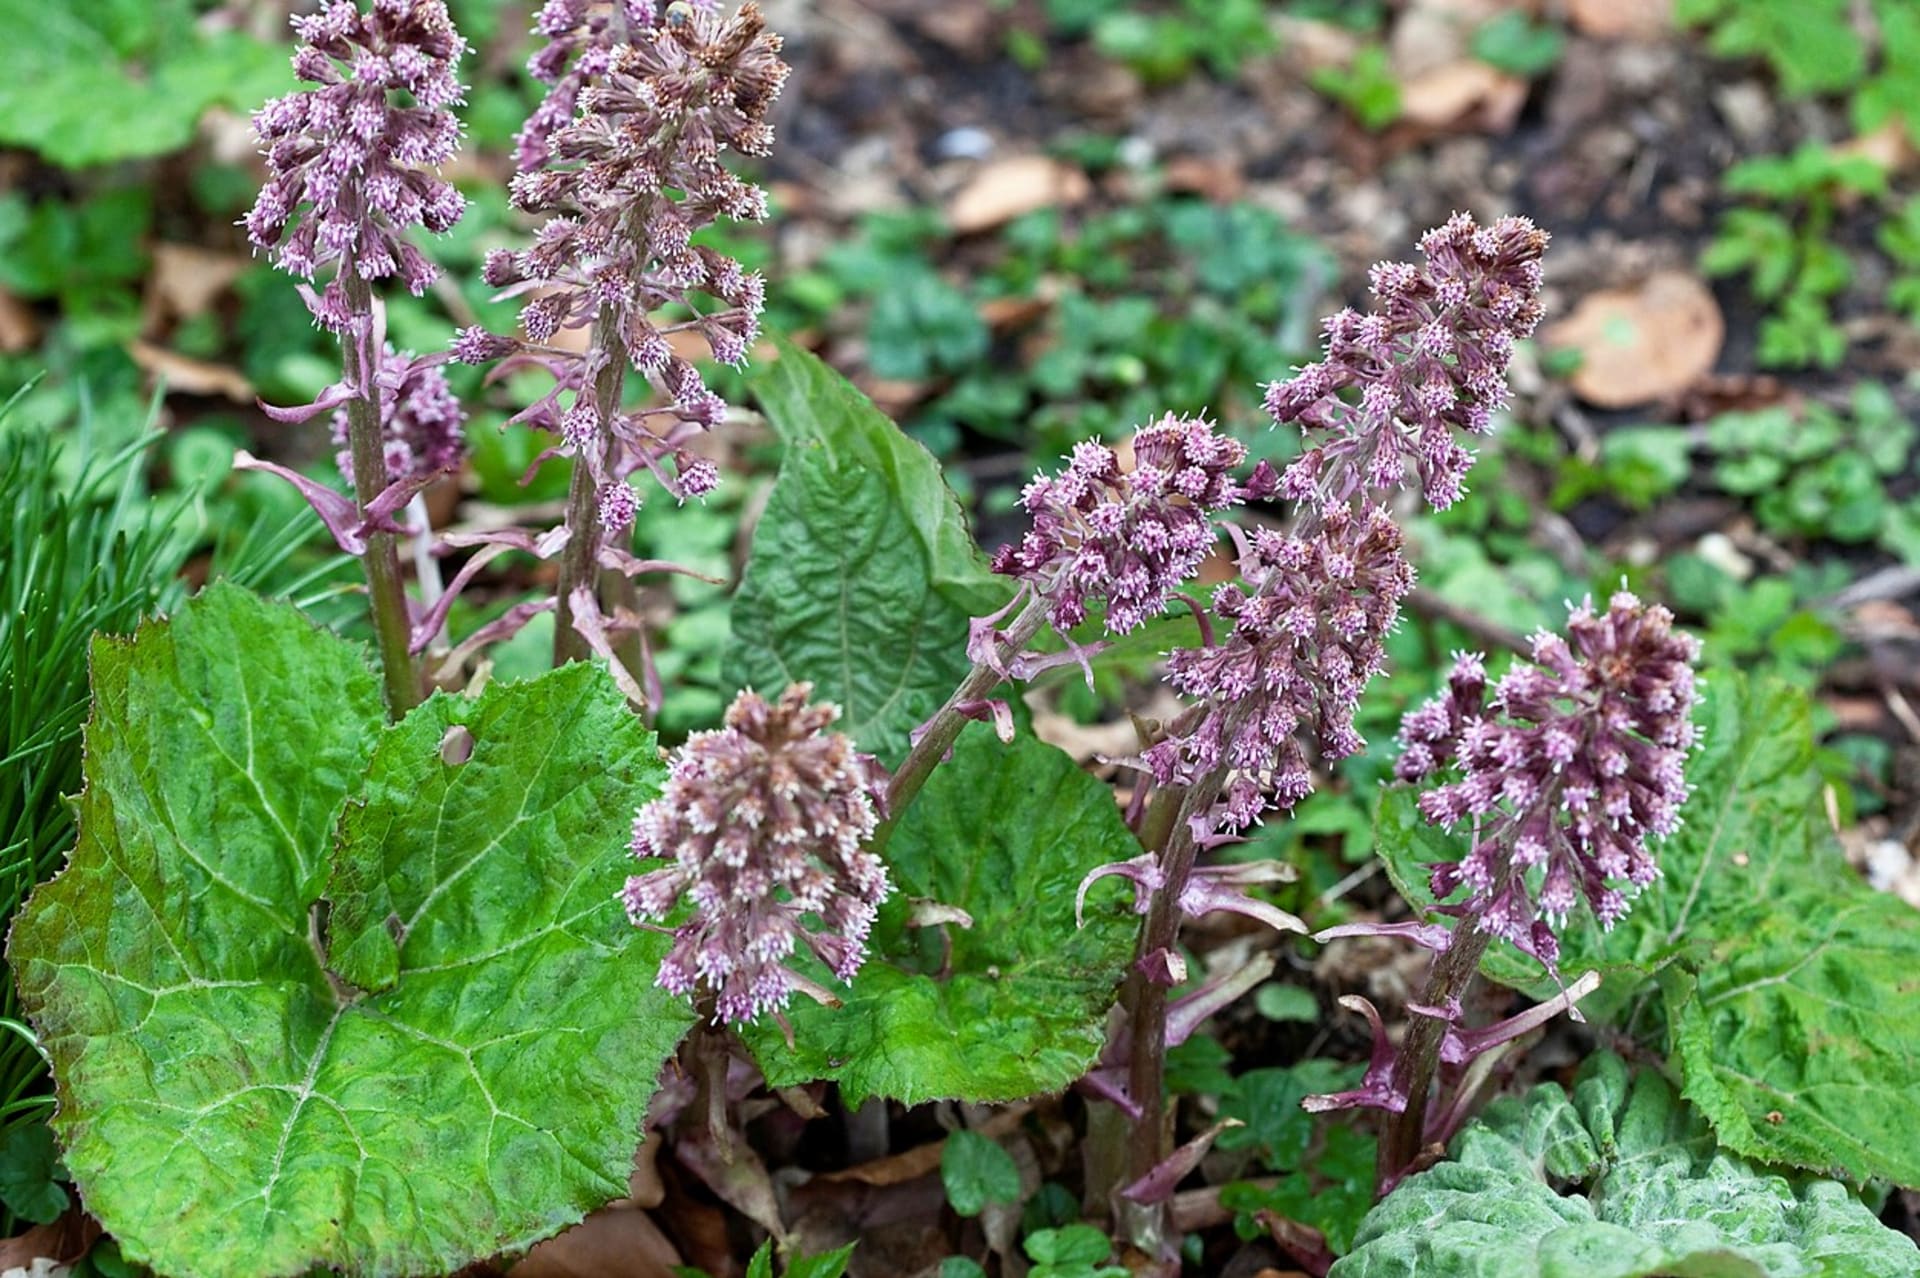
x,y
1452,972
1146,999
944,728
386,589
578,558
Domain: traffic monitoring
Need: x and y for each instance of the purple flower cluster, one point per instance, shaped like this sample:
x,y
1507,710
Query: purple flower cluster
x,y
358,149
627,182
1431,358
420,420
1128,536
580,36
1309,618
1564,772
765,822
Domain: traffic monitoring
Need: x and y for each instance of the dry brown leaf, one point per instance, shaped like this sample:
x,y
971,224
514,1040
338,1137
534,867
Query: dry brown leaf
x,y
64,1241
1004,313
617,1243
1643,342
1004,189
1463,93
1887,146
1086,742
187,280
1310,45
1216,178
1622,19
191,376
19,329
914,1163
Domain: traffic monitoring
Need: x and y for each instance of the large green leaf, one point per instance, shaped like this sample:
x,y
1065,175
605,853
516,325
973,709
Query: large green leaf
x,y
1800,1034
1622,1181
1790,994
862,575
228,1106
113,80
1005,833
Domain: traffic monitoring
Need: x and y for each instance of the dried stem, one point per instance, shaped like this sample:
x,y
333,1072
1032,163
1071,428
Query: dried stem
x,y
578,558
386,588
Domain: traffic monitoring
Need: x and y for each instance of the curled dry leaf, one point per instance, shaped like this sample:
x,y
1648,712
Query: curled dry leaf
x,y
1467,93
1622,19
1643,342
191,376
1005,189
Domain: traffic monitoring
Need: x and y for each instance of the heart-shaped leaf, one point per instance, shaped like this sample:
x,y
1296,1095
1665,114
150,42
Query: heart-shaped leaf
x,y
862,575
472,1076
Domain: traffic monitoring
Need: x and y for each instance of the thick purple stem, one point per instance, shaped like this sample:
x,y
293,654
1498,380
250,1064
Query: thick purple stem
x,y
937,737
386,588
1452,972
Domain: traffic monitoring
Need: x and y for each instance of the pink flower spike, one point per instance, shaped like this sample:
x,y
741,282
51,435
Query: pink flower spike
x,y
1568,769
1127,539
763,825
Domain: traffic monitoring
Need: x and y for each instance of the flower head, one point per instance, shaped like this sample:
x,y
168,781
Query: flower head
x,y
764,822
627,180
420,420
1310,617
1129,536
1566,768
358,149
580,36
1430,359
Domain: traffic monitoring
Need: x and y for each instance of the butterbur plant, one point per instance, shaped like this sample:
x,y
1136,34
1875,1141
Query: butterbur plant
x,y
369,967
624,183
352,164
1566,771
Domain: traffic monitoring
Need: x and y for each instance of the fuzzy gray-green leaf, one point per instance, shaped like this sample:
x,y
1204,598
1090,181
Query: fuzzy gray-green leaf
x,y
1653,1195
